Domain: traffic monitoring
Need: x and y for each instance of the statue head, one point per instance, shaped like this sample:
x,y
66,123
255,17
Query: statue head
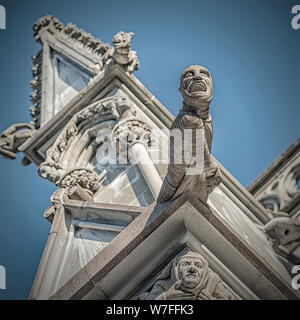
x,y
197,89
122,43
191,270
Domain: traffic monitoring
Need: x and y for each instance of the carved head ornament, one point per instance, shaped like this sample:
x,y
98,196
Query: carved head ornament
x,y
196,88
191,269
122,45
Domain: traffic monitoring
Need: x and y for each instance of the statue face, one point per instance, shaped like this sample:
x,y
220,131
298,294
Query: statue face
x,y
190,271
121,42
196,86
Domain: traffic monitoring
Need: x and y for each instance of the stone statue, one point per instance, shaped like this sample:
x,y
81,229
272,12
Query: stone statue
x,y
121,52
13,137
188,277
197,91
284,234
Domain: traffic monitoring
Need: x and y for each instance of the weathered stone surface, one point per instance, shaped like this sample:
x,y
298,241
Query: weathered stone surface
x,y
121,52
196,89
13,137
277,188
138,251
284,234
188,277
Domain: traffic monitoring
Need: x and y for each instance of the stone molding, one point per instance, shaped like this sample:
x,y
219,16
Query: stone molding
x,y
185,221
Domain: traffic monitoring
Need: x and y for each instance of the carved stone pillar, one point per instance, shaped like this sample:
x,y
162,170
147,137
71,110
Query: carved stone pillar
x,y
133,137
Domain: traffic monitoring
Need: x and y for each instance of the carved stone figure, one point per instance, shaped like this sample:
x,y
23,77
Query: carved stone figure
x,y
188,277
284,234
13,137
121,53
197,91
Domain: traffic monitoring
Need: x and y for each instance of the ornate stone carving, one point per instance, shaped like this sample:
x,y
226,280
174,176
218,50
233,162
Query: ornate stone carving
x,y
197,91
13,137
283,190
57,167
87,179
284,234
72,34
121,52
130,131
57,200
63,194
188,277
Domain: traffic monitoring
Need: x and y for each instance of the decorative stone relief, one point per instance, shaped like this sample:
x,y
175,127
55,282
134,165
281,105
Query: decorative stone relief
x,y
197,91
130,131
284,234
121,52
188,277
13,137
283,189
69,160
71,32
87,179
67,191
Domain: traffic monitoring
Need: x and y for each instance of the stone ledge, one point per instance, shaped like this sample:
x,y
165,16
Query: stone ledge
x,y
144,248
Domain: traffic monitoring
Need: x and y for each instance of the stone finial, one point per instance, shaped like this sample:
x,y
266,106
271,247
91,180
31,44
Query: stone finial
x,y
186,155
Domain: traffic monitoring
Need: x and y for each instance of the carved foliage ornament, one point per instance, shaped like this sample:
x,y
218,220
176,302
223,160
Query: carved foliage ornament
x,y
71,32
131,131
87,179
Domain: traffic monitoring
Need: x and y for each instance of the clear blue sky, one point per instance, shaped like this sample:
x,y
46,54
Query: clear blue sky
x,y
248,45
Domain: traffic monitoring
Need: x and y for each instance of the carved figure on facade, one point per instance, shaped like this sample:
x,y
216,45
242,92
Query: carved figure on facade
x,y
284,235
13,137
121,52
197,91
188,277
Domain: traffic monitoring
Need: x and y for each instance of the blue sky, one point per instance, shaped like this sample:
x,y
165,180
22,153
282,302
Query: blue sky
x,y
248,45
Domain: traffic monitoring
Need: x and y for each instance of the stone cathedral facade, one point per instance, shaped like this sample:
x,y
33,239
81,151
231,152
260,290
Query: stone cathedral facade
x,y
115,232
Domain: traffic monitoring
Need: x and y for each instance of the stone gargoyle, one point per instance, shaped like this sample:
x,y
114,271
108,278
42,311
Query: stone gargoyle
x,y
197,90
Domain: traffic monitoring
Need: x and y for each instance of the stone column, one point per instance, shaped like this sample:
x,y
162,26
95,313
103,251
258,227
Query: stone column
x,y
133,137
